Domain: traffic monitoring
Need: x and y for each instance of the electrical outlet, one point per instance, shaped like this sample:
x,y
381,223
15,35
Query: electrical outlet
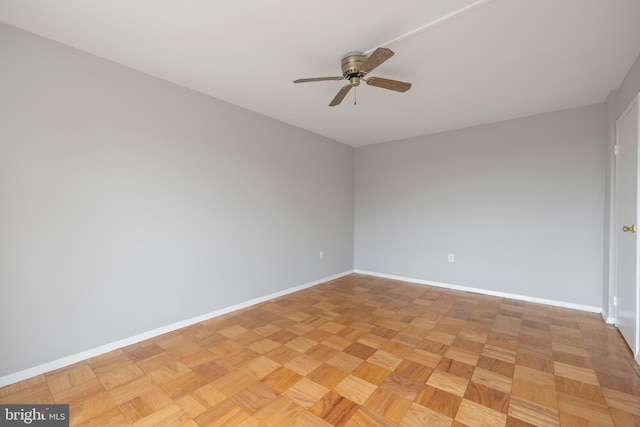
x,y
615,301
451,258
321,254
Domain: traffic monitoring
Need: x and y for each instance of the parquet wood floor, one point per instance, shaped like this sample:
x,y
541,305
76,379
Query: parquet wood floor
x,y
360,351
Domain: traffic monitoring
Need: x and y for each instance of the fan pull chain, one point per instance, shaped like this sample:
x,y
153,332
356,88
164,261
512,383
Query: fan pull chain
x,y
355,96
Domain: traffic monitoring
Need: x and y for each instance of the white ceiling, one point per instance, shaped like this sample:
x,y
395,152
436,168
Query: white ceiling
x,y
470,62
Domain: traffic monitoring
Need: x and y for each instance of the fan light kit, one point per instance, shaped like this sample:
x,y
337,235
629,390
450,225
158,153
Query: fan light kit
x,y
355,66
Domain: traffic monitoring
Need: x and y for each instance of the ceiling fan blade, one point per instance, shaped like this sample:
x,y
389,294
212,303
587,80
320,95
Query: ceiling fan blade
x,y
396,85
340,96
317,79
378,56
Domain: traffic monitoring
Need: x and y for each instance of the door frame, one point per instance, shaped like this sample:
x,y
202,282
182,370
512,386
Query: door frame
x,y
613,228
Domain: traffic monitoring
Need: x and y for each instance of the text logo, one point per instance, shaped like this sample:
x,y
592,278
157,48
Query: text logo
x,y
34,415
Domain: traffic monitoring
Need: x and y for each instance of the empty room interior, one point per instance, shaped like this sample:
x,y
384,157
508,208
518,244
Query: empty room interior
x,y
416,213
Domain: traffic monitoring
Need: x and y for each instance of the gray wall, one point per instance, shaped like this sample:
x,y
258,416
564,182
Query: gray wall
x,y
519,203
128,203
630,87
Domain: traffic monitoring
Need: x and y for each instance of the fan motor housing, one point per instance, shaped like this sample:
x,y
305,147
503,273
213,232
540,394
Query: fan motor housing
x,y
351,65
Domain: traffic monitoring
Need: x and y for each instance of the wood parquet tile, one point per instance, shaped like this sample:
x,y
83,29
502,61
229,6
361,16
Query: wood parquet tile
x,y
360,351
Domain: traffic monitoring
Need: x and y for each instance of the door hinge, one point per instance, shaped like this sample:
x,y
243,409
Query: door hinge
x,y
616,150
615,301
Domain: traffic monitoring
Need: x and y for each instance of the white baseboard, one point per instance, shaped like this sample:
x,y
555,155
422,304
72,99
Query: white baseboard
x,y
609,320
563,304
87,354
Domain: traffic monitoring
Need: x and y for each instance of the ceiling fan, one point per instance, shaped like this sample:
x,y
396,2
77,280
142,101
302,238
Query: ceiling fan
x,y
355,66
